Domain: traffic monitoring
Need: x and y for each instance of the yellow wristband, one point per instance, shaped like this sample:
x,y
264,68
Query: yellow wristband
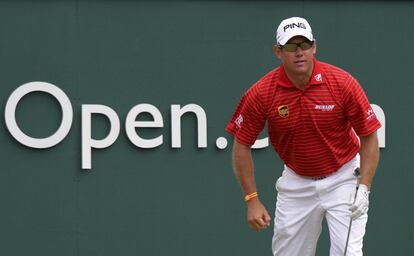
x,y
250,196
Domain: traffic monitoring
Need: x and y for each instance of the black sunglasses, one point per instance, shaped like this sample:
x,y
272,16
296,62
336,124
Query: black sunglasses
x,y
292,47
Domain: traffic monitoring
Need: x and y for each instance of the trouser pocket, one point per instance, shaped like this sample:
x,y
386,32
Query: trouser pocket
x,y
279,181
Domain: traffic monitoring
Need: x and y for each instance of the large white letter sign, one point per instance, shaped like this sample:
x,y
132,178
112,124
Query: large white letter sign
x,y
10,115
177,112
131,124
87,141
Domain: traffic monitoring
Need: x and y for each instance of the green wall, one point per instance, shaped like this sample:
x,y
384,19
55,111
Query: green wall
x,y
183,201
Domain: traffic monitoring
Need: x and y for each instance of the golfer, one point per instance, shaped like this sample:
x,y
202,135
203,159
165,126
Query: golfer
x,y
322,126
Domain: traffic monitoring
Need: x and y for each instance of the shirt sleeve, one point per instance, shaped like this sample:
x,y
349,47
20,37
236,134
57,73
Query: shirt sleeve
x,y
249,119
358,109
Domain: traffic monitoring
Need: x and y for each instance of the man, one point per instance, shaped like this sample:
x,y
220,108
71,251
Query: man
x,y
315,113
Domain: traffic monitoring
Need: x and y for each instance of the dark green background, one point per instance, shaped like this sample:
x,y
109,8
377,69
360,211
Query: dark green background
x,y
184,201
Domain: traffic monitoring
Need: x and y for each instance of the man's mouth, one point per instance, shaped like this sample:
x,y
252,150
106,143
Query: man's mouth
x,y
300,61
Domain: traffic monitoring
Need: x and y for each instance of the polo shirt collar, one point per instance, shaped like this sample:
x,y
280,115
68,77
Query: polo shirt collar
x,y
316,78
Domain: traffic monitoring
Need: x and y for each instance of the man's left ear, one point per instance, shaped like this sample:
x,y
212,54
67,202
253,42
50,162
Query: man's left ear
x,y
314,46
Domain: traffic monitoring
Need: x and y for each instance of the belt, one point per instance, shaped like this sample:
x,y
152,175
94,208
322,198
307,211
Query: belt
x,y
356,173
319,177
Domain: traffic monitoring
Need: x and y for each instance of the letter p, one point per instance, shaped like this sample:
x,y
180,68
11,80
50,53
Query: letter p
x,y
87,141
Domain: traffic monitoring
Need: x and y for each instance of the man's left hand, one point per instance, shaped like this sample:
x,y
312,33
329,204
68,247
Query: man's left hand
x,y
360,203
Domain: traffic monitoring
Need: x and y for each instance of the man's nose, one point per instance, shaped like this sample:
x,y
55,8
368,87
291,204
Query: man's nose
x,y
299,51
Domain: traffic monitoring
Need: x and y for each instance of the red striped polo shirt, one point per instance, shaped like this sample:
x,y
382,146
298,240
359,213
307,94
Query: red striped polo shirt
x,y
312,130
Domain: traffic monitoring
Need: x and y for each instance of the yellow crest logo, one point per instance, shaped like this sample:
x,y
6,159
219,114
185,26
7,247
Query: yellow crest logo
x,y
283,111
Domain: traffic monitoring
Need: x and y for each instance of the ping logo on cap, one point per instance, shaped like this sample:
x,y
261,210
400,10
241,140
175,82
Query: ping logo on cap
x,y
293,25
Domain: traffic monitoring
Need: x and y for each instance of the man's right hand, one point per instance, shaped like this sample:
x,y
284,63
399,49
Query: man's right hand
x,y
257,215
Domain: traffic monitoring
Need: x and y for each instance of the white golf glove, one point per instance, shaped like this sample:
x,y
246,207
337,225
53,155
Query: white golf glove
x,y
360,203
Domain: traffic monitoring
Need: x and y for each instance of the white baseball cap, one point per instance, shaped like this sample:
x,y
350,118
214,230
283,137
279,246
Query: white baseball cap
x,y
294,26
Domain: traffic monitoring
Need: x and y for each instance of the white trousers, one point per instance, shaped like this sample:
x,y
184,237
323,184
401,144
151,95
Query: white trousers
x,y
302,203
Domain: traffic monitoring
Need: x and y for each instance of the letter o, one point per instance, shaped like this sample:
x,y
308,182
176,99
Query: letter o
x,y
10,117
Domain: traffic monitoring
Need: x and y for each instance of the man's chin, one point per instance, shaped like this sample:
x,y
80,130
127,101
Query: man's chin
x,y
300,70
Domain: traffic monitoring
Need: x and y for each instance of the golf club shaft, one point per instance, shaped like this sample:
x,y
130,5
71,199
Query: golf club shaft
x,y
356,173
